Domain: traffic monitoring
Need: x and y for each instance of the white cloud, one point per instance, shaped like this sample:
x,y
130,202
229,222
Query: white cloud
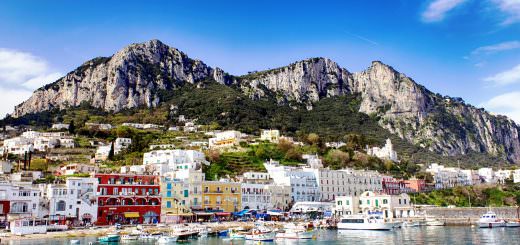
x,y
511,8
510,76
438,9
499,47
505,104
20,74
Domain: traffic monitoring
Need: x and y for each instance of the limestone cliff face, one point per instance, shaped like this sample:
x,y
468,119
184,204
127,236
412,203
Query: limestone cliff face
x,y
130,78
133,77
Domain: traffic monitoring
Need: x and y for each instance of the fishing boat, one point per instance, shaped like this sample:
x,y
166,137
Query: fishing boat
x,y
110,238
297,231
364,222
261,234
167,239
490,220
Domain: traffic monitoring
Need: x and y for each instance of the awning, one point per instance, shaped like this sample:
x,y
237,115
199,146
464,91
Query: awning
x,y
223,214
202,214
131,214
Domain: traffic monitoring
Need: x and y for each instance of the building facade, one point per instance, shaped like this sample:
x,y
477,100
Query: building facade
x,y
221,196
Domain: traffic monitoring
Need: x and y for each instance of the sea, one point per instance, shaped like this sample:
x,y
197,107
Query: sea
x,y
450,235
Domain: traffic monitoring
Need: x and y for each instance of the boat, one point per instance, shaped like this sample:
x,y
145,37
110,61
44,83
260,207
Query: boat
x,y
364,222
110,238
148,236
237,233
74,241
433,222
512,224
167,239
297,231
490,220
261,234
411,224
129,237
223,233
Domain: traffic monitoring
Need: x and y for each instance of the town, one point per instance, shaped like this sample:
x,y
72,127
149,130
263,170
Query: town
x,y
169,185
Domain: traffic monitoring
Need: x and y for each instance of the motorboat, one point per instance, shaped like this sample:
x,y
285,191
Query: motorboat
x,y
411,224
167,239
237,233
148,236
297,231
75,241
110,238
364,222
261,234
129,237
512,224
433,222
490,220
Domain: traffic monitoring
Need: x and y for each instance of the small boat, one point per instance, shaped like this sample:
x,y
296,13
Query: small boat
x,y
364,222
490,220
433,222
110,238
261,234
237,233
167,239
148,236
223,233
411,224
512,224
74,241
129,237
297,231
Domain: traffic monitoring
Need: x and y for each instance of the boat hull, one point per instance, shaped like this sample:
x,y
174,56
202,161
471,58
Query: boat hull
x,y
491,224
513,224
296,235
263,237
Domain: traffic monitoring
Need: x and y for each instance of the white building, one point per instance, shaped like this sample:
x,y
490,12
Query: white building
x,y
18,145
313,161
171,160
256,196
389,206
487,175
5,167
225,139
121,144
304,186
24,200
448,177
516,176
75,199
387,152
162,147
60,126
142,125
102,152
502,175
345,182
271,135
77,168
99,126
335,145
307,207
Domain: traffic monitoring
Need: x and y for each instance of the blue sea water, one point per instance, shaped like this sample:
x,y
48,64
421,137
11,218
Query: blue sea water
x,y
410,235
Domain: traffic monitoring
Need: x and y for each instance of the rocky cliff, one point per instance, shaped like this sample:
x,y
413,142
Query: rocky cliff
x,y
134,76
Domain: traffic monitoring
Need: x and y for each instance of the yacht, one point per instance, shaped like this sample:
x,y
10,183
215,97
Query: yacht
x,y
433,222
490,220
364,222
411,224
297,231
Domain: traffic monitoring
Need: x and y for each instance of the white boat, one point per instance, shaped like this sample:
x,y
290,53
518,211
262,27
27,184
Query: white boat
x,y
512,224
74,241
147,236
167,240
490,220
129,237
297,231
237,233
261,234
433,222
411,224
364,222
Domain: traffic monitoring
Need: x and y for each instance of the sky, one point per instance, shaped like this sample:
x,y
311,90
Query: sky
x,y
461,48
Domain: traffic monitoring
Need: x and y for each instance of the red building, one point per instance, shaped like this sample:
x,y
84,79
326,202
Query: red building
x,y
416,185
128,199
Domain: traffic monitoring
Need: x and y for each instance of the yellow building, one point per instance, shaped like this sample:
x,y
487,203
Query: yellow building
x,y
180,195
221,196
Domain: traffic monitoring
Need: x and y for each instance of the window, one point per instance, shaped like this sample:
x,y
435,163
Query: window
x,y
168,204
348,202
368,202
60,206
404,201
168,193
385,201
339,203
169,186
399,201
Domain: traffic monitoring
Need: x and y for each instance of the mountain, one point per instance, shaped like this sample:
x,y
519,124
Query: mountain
x,y
138,75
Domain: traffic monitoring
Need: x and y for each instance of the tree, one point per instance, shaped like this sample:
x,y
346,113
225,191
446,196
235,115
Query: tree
x,y
72,127
111,152
284,145
313,138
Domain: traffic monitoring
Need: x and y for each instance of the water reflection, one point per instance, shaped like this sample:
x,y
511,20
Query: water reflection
x,y
409,235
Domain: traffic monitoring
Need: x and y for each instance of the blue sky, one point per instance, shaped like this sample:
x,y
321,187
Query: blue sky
x,y
461,48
